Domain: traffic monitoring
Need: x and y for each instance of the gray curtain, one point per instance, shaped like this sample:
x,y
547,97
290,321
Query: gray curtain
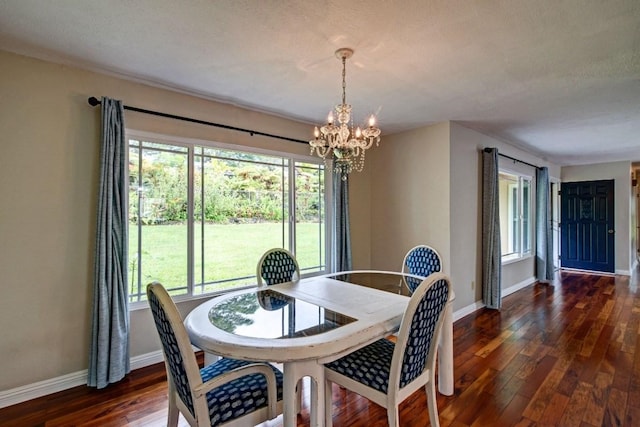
x,y
109,352
491,252
544,239
342,237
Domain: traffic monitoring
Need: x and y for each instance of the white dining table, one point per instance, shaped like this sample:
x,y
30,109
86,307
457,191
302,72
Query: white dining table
x,y
325,319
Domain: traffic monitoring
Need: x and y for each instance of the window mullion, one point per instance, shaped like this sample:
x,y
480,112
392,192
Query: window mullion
x,y
190,225
521,213
139,223
292,204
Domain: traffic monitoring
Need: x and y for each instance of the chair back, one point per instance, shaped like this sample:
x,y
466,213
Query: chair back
x,y
420,330
180,360
277,266
421,260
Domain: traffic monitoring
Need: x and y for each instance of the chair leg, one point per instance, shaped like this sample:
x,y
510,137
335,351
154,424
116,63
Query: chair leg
x,y
430,388
393,416
328,404
174,412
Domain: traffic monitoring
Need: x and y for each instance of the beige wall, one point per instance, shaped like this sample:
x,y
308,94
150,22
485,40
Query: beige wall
x,y
48,187
360,215
624,212
409,185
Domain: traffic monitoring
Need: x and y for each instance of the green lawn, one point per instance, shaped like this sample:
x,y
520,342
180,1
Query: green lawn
x,y
228,251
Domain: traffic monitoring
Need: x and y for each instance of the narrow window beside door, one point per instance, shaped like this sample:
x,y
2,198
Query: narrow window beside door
x,y
515,215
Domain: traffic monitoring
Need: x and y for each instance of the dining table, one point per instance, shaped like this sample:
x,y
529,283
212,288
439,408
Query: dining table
x,y
306,323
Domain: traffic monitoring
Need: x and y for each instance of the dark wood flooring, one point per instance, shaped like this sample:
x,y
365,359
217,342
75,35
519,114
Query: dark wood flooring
x,y
561,354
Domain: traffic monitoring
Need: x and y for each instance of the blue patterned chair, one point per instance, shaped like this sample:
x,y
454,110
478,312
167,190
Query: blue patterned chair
x,y
277,266
227,393
388,373
421,260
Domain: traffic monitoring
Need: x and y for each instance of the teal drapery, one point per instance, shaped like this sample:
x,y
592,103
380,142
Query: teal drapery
x,y
544,238
109,349
342,237
491,251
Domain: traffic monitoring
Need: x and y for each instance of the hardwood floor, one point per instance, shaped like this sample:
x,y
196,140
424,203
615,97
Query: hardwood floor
x,y
564,354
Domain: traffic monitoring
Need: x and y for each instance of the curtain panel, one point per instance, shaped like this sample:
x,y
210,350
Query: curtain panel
x,y
544,238
342,235
109,347
491,251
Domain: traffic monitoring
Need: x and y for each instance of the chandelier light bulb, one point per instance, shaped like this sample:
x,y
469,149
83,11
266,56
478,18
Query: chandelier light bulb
x,y
339,144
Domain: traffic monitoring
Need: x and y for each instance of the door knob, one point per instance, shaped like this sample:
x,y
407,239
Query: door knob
x,y
611,231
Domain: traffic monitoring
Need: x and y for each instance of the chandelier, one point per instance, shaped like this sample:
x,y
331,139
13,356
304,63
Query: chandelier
x,y
340,142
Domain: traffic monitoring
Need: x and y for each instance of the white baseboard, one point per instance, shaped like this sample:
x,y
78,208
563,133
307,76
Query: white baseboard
x,y
143,360
518,286
64,382
465,311
623,272
42,388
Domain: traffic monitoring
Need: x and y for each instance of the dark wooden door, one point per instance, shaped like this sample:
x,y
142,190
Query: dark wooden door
x,y
587,225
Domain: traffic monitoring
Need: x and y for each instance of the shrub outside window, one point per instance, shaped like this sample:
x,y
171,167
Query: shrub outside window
x,y
200,215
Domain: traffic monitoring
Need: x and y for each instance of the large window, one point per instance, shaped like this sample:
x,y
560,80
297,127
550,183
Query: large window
x,y
515,215
200,216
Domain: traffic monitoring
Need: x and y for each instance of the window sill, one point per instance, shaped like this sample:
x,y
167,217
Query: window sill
x,y
144,305
511,259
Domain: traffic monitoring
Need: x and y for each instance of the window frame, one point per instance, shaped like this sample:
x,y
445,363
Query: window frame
x,y
518,224
290,235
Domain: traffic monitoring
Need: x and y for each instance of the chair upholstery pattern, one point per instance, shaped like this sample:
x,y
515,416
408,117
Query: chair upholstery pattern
x,y
278,267
422,331
370,365
421,261
238,397
171,351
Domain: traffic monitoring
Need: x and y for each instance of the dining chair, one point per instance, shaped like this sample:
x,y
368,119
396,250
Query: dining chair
x,y
229,392
421,260
277,265
386,372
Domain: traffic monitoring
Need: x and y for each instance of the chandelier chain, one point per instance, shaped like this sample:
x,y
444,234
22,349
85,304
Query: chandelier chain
x,y
344,80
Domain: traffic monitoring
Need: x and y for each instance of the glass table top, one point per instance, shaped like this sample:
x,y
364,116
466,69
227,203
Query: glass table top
x,y
396,283
270,314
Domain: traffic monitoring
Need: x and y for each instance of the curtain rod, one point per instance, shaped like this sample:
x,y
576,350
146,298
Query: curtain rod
x,y
513,158
93,101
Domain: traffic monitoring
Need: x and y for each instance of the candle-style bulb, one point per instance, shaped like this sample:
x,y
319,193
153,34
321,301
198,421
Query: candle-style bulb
x,y
372,121
316,132
358,132
330,118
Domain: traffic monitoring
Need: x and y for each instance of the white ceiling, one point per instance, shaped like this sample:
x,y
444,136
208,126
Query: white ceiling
x,y
559,78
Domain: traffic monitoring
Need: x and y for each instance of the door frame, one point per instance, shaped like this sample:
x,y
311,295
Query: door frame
x,y
554,198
